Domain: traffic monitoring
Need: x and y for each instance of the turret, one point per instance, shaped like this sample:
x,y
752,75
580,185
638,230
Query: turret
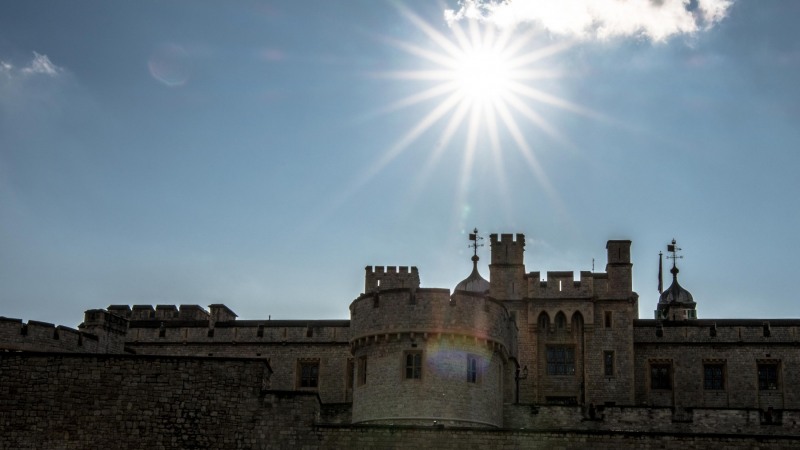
x,y
619,268
110,329
507,271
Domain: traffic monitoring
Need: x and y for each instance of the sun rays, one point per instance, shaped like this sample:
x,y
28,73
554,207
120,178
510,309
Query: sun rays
x,y
482,79
481,86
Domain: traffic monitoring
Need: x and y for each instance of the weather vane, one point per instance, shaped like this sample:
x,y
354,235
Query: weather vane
x,y
475,239
674,249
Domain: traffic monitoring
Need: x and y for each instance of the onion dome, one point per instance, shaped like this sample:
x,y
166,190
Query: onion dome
x,y
675,293
474,282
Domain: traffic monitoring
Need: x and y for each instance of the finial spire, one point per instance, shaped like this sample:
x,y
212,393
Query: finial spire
x,y
674,249
474,245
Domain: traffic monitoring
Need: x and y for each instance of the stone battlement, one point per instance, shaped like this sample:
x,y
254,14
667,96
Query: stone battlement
x,y
507,249
218,312
44,337
379,278
563,284
722,331
239,332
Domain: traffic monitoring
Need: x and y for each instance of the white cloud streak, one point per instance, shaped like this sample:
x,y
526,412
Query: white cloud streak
x,y
39,65
657,20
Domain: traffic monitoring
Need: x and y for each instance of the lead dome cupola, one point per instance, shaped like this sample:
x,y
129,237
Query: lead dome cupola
x,y
675,293
474,282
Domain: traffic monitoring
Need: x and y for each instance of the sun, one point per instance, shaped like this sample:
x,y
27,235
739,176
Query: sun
x,y
482,75
481,80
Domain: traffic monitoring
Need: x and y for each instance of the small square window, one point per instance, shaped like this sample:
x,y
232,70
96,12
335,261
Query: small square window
x,y
714,377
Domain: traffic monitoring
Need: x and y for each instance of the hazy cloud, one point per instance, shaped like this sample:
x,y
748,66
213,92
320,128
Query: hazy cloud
x,y
39,65
657,20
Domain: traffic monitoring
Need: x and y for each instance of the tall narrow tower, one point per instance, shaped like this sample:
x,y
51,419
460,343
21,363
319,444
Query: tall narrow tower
x,y
507,271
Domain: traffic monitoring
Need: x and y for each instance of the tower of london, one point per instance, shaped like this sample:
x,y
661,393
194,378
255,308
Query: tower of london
x,y
524,358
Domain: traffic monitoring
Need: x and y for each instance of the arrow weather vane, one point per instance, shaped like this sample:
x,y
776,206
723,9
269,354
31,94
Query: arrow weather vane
x,y
674,249
475,239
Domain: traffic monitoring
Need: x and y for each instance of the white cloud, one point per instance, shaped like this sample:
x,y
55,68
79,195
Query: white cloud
x,y
41,64
657,20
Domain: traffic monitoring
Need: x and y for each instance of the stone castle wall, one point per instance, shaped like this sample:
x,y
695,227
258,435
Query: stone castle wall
x,y
739,346
285,343
116,401
446,332
443,392
42,336
84,401
431,311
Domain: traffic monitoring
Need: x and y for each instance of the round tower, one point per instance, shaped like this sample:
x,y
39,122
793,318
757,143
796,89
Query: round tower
x,y
424,357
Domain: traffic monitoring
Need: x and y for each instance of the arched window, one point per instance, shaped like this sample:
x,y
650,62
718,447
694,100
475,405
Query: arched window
x,y
544,321
577,321
561,321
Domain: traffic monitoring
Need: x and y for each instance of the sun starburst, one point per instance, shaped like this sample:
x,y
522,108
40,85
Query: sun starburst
x,y
481,79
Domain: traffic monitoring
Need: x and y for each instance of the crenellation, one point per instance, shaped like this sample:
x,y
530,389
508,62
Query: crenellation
x,y
143,312
381,278
221,313
193,312
166,312
36,336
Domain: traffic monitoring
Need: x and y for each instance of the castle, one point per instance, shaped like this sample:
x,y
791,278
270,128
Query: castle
x,y
517,360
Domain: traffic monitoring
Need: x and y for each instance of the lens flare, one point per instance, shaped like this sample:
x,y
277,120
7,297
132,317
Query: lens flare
x,y
169,64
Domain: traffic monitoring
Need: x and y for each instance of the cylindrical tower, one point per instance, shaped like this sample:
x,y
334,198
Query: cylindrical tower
x,y
422,356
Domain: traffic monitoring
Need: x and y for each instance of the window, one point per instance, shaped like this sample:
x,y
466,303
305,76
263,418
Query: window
x,y
608,363
560,360
413,365
362,370
714,377
309,374
350,373
561,320
472,369
544,321
661,376
608,319
768,376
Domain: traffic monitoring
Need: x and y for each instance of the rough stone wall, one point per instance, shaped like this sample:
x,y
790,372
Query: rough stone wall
x,y
131,402
442,392
284,359
616,338
103,401
651,420
388,438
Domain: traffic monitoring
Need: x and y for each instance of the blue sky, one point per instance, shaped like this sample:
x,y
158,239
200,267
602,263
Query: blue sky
x,y
261,154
